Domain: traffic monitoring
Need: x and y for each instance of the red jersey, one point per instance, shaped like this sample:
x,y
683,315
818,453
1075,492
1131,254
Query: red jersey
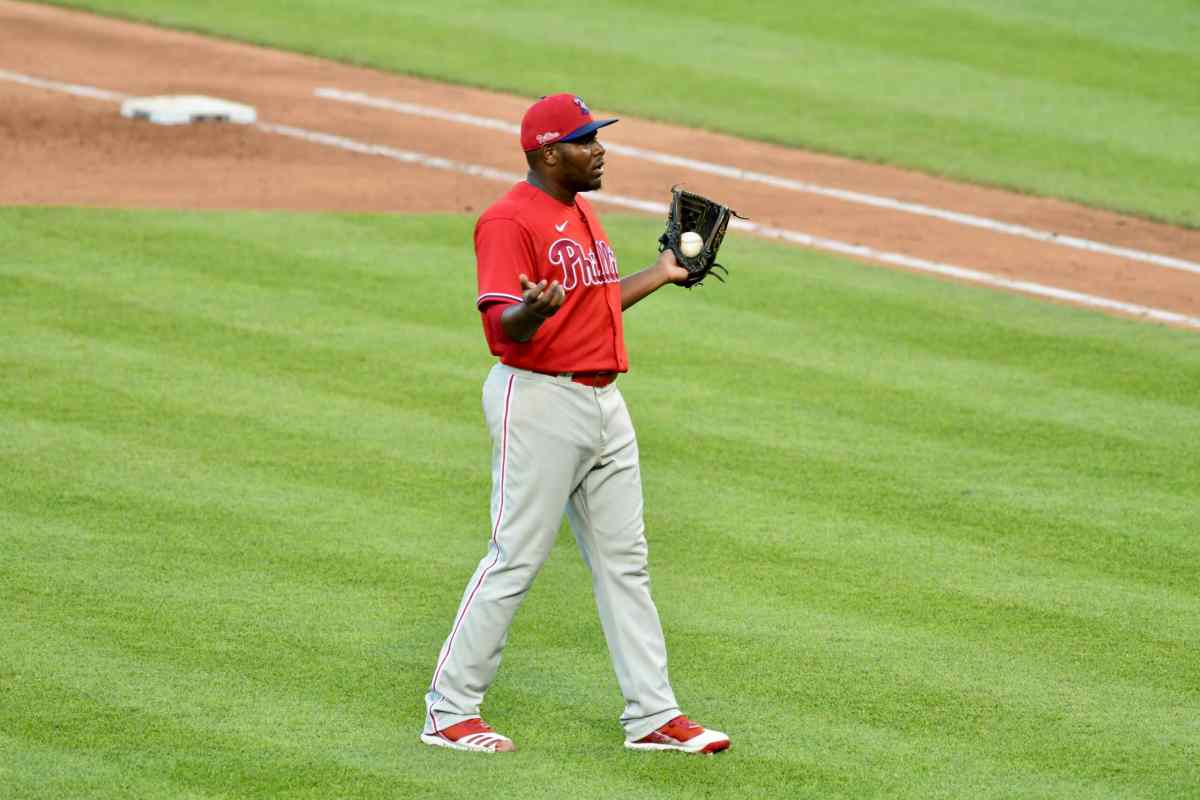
x,y
528,231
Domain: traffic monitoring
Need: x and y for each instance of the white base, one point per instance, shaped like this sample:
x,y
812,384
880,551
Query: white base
x,y
186,109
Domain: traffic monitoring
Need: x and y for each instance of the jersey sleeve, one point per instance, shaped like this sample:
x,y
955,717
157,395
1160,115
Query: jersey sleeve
x,y
493,329
503,251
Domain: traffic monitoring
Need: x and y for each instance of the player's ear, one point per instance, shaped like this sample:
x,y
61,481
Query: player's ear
x,y
542,157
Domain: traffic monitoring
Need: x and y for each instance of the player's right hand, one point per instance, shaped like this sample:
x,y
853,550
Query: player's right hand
x,y
542,299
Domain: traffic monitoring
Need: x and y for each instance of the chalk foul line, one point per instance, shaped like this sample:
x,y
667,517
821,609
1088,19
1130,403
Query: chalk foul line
x,y
779,182
796,237
76,89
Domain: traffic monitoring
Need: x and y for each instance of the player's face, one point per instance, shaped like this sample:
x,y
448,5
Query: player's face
x,y
582,163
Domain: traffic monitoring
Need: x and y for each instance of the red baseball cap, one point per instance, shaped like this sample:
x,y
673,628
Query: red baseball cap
x,y
557,118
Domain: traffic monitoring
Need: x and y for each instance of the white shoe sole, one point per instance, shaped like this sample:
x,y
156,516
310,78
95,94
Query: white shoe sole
x,y
706,743
474,746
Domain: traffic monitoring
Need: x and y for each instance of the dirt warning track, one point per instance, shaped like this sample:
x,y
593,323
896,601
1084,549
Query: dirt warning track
x,y
337,138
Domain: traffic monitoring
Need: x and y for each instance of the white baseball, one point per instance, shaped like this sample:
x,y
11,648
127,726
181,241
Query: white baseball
x,y
690,243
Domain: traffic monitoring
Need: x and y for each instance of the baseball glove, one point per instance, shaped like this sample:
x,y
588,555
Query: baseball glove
x,y
692,212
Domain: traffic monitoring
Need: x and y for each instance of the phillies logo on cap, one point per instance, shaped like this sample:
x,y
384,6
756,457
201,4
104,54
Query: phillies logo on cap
x,y
558,118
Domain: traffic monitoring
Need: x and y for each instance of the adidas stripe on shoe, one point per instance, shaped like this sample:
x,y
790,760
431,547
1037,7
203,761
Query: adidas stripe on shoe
x,y
473,735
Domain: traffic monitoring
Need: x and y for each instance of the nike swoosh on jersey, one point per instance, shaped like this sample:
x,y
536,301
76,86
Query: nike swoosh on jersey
x,y
562,227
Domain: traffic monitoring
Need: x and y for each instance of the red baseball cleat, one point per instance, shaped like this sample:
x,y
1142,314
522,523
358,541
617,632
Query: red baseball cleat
x,y
683,735
472,734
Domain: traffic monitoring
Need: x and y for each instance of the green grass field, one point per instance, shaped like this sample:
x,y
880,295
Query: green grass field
x,y
1090,101
908,539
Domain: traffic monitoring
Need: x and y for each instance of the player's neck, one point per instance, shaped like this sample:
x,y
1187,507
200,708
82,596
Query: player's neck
x,y
558,192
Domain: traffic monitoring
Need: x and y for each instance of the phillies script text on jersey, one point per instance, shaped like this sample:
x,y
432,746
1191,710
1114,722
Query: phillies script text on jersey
x,y
528,232
589,268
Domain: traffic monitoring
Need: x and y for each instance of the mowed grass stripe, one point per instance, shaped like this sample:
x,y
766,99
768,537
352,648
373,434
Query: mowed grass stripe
x,y
239,506
268,710
1035,96
49,771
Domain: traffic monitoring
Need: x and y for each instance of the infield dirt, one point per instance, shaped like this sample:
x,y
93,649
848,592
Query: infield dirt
x,y
61,149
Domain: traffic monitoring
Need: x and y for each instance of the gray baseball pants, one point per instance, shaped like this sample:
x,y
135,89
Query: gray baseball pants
x,y
557,445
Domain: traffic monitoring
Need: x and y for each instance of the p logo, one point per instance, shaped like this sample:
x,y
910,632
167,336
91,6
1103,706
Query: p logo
x,y
583,109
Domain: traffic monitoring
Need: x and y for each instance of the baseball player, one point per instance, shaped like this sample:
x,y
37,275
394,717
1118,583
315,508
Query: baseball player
x,y
551,299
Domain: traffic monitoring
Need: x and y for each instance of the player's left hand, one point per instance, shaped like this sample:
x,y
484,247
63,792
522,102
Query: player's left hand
x,y
670,268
